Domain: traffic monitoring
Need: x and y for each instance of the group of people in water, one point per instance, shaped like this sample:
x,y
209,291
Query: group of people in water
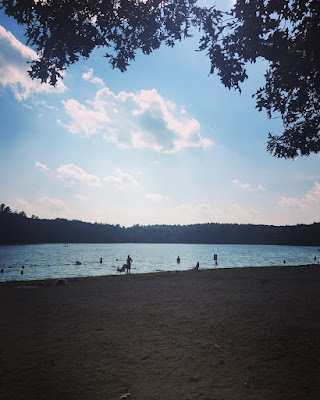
x,y
127,267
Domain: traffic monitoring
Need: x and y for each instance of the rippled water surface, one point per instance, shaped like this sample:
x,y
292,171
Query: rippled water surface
x,y
44,261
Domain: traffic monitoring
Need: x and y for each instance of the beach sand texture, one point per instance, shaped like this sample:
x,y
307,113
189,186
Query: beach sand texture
x,y
232,334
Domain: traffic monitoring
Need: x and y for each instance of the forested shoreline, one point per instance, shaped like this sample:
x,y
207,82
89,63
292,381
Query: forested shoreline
x,y
17,228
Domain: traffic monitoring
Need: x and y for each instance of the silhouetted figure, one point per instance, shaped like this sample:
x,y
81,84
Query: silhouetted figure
x,y
197,266
100,260
178,260
129,261
284,261
2,270
122,269
21,272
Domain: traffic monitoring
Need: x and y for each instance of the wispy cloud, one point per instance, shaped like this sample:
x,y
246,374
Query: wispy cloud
x,y
121,180
81,197
243,215
71,174
142,120
88,76
204,213
310,201
41,166
156,197
52,207
192,213
43,104
21,205
13,68
303,209
247,186
155,162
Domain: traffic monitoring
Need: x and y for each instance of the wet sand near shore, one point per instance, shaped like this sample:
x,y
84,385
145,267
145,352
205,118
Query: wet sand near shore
x,y
225,334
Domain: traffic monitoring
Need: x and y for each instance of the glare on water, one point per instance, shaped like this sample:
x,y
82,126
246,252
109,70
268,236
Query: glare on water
x,y
45,261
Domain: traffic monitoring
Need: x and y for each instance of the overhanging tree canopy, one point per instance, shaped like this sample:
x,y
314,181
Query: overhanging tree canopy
x,y
284,33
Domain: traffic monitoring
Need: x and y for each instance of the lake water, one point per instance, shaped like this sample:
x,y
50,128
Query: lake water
x,y
44,261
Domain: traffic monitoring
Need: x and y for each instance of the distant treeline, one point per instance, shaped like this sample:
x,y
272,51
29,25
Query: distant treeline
x,y
17,228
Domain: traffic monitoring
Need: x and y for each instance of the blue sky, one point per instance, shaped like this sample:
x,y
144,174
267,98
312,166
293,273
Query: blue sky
x,y
162,143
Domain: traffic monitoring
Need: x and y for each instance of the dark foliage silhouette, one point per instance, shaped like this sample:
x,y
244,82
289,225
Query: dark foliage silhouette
x,y
17,228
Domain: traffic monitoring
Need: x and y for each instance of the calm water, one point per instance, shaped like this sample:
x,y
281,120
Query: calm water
x,y
57,261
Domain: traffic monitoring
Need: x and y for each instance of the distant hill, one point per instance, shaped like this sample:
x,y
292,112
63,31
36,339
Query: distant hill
x,y
17,228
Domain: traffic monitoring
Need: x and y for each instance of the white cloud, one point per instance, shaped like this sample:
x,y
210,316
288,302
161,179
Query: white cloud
x,y
13,68
121,180
156,197
88,76
242,185
247,186
143,120
71,173
21,205
83,119
301,210
41,166
310,202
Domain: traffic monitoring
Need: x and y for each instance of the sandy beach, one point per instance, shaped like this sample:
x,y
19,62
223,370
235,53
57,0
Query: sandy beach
x,y
249,333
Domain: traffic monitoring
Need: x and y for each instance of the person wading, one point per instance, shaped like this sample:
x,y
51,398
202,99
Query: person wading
x,y
129,261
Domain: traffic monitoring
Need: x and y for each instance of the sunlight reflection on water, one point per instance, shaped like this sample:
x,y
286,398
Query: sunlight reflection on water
x,y
58,261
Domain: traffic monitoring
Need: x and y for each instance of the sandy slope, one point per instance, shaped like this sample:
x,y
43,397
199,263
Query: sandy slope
x,y
222,334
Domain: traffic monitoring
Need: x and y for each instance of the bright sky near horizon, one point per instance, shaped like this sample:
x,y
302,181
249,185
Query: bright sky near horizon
x,y
162,143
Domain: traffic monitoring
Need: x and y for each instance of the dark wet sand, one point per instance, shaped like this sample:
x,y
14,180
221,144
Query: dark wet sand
x,y
222,334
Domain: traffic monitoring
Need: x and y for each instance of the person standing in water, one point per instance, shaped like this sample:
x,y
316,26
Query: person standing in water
x,y
178,260
129,261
